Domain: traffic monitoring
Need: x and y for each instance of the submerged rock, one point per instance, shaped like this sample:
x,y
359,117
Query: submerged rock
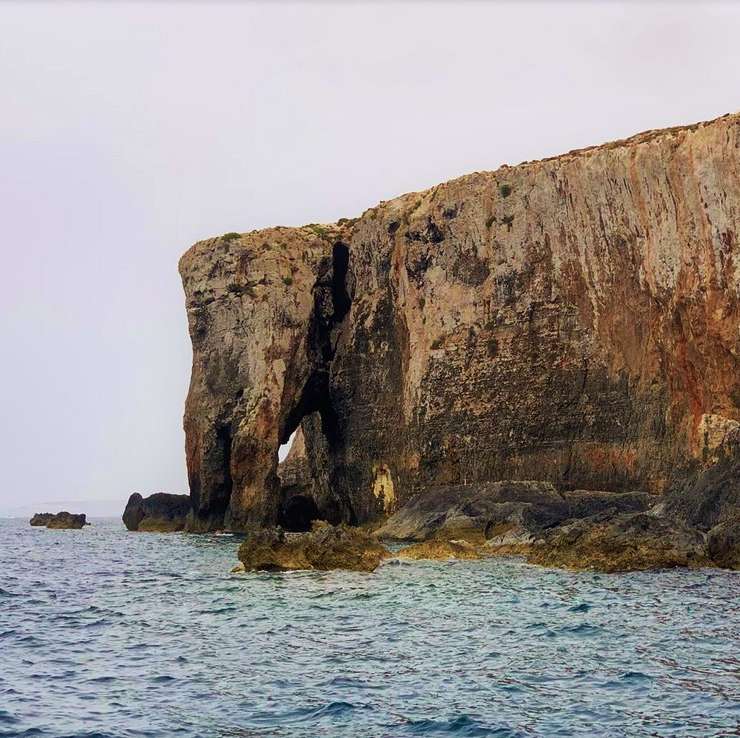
x,y
324,547
60,520
160,512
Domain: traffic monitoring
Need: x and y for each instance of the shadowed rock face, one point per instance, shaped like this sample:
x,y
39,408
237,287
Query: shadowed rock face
x,y
573,320
160,512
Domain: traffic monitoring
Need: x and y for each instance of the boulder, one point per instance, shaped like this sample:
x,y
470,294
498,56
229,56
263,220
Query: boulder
x,y
324,547
586,503
711,496
627,542
160,512
473,512
441,550
59,520
723,544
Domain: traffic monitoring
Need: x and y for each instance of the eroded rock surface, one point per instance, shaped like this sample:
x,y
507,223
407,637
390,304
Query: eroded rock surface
x,y
324,547
573,320
60,520
160,512
476,512
441,550
696,524
629,542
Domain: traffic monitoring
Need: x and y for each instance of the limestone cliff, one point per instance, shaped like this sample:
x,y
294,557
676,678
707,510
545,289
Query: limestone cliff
x,y
573,320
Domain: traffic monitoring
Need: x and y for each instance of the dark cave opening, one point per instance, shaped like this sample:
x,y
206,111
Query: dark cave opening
x,y
297,513
332,304
340,297
223,492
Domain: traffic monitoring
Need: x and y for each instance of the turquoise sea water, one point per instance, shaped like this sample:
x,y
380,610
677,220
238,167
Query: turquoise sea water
x,y
109,633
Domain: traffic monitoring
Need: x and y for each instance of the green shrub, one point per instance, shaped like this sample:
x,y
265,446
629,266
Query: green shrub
x,y
318,230
231,236
505,190
288,280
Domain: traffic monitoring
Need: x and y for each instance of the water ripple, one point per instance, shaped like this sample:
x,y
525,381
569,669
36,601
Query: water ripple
x,y
149,635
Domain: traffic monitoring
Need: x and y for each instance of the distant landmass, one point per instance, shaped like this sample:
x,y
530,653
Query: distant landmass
x,y
107,508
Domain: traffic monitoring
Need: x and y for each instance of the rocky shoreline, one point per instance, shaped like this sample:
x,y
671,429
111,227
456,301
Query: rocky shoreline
x,y
600,531
161,512
543,360
696,526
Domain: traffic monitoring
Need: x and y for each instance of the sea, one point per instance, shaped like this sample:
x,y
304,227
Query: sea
x,y
106,633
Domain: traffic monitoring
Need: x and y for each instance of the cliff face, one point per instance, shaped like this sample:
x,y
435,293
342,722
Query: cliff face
x,y
573,320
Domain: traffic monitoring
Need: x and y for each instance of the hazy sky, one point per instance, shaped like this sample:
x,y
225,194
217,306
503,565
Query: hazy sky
x,y
129,131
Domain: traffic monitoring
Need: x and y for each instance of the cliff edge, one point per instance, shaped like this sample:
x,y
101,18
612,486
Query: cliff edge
x,y
573,320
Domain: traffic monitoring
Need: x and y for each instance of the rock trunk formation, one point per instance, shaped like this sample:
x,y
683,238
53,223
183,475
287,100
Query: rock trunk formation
x,y
161,512
573,320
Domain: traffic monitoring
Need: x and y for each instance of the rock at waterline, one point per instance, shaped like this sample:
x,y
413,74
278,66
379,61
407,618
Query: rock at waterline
x,y
441,550
324,547
59,520
697,525
160,512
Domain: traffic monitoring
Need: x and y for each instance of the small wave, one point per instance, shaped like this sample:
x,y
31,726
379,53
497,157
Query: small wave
x,y
396,562
305,714
6,718
219,610
102,680
635,677
583,607
163,679
341,681
462,725
333,709
364,596
582,629
29,640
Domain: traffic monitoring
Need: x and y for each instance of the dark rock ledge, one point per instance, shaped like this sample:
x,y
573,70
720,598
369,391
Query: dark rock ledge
x,y
59,520
696,525
160,512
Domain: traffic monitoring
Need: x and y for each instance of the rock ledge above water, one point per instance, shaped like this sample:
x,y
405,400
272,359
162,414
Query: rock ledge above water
x,y
160,512
59,520
324,547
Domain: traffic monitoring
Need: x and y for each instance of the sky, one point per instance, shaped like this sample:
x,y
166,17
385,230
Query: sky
x,y
128,131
